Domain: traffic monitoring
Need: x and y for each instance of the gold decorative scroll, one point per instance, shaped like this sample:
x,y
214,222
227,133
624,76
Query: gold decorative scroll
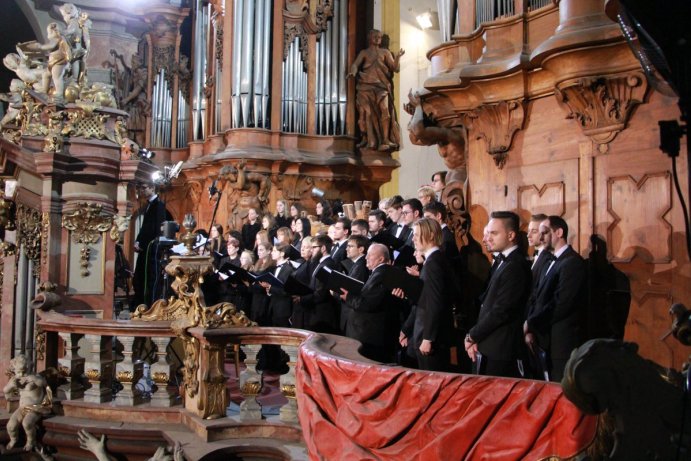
x,y
87,223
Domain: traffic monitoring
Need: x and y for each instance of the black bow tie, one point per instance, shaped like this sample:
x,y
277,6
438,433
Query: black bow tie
x,y
499,257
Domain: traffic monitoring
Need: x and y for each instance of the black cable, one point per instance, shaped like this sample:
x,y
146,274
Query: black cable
x,y
684,209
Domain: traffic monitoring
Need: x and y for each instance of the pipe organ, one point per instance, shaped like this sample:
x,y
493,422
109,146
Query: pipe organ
x,y
251,71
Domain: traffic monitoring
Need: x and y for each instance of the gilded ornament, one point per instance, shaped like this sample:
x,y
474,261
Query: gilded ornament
x,y
7,249
40,341
45,231
29,230
125,376
93,374
288,390
160,377
87,223
63,371
251,388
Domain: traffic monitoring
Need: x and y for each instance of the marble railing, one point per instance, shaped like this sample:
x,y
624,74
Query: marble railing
x,y
105,362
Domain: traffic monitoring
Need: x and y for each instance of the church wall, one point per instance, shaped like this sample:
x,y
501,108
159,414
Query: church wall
x,y
624,195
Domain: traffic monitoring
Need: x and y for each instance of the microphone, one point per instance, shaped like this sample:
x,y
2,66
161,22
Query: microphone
x,y
213,190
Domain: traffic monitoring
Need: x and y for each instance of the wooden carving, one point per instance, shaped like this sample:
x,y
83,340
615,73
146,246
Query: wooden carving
x,y
602,106
639,208
87,223
298,22
497,124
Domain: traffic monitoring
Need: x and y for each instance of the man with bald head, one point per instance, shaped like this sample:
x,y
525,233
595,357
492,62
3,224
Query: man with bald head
x,y
373,320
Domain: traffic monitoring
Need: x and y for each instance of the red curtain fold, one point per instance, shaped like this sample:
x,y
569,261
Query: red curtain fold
x,y
357,411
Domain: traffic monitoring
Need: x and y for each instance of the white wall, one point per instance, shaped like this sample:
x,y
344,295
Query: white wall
x,y
418,163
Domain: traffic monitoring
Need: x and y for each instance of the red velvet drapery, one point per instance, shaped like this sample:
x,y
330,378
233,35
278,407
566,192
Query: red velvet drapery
x,y
358,411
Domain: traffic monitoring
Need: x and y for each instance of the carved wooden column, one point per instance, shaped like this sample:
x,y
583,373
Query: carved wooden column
x,y
162,395
250,385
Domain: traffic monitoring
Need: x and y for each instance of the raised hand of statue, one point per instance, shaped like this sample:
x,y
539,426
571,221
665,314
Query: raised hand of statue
x,y
178,454
413,102
161,455
96,446
400,53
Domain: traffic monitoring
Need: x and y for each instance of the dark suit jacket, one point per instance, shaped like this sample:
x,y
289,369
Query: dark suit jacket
x,y
448,244
539,268
558,305
373,321
404,233
432,317
281,303
340,254
358,270
321,306
499,329
154,215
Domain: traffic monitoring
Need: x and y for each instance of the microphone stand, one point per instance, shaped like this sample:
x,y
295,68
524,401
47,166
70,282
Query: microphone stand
x,y
218,193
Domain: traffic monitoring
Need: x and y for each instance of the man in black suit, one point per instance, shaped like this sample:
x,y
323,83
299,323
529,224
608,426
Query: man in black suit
x,y
359,227
356,248
373,319
378,233
496,337
411,212
395,213
437,211
146,270
430,323
541,256
557,306
341,234
321,305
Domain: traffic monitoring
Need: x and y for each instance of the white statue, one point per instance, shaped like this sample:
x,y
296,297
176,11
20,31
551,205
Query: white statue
x,y
35,402
14,100
31,72
59,57
77,35
98,447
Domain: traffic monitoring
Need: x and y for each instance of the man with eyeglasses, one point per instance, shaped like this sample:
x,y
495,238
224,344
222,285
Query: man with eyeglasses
x,y
356,247
411,211
320,308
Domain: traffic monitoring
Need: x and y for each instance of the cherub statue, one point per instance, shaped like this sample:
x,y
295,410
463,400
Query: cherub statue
x,y
14,101
77,35
98,447
35,402
31,72
59,54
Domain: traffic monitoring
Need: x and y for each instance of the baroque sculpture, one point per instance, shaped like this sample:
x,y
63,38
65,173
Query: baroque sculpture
x,y
61,61
35,402
451,142
247,190
374,68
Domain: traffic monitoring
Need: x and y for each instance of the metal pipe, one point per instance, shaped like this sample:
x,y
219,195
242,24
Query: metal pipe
x,y
343,66
259,51
196,64
237,47
318,99
333,31
266,90
291,80
247,48
283,95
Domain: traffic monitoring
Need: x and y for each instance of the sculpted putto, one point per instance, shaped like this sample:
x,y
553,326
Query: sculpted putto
x,y
35,402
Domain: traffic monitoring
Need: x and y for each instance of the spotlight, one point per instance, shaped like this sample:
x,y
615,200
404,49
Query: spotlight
x,y
145,154
165,177
317,192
